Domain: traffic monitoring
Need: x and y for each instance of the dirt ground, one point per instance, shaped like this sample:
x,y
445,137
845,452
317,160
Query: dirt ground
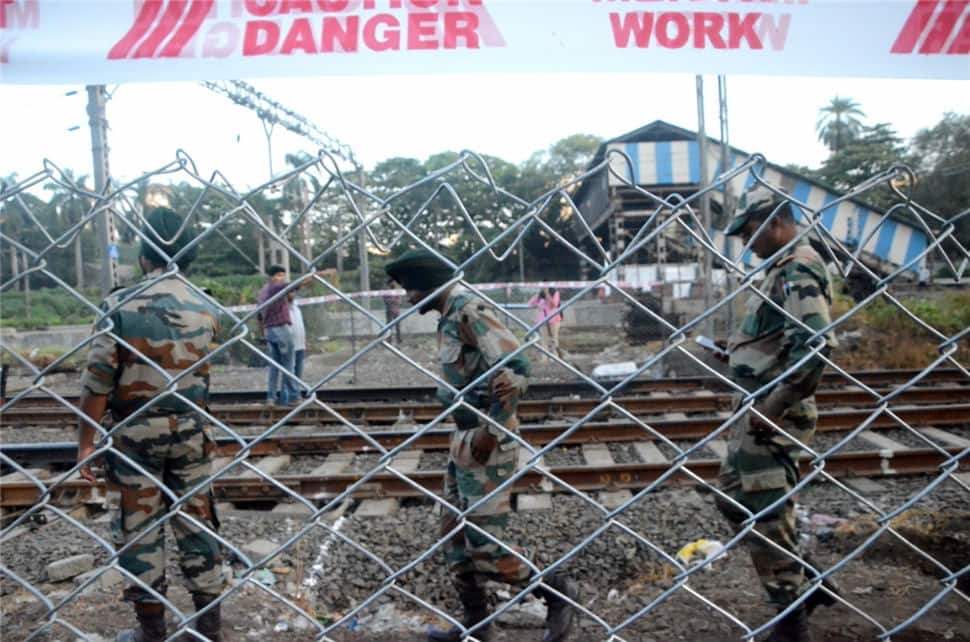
x,y
379,366
879,590
888,583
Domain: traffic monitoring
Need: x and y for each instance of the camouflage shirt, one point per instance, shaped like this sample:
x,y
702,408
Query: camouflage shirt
x,y
471,339
168,325
768,342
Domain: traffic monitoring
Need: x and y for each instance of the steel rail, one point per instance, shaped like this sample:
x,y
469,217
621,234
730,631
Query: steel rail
x,y
546,390
540,410
538,435
613,431
878,463
529,409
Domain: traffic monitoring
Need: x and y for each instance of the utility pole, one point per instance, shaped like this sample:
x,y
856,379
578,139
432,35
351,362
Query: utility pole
x,y
268,130
723,118
98,121
362,246
704,201
727,199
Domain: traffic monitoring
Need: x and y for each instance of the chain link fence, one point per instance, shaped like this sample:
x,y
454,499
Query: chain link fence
x,y
622,549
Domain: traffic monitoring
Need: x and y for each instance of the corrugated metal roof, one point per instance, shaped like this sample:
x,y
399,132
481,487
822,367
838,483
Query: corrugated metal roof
x,y
665,155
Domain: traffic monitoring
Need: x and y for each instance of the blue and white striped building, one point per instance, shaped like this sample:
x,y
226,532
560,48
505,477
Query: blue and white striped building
x,y
665,159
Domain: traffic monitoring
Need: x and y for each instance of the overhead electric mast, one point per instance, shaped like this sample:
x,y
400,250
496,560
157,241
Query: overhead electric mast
x,y
272,113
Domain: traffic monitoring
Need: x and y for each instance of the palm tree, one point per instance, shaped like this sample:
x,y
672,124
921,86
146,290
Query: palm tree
x,y
838,122
71,208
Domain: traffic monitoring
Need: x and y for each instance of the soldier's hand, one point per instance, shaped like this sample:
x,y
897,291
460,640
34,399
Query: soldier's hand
x,y
483,443
761,429
506,385
721,356
83,452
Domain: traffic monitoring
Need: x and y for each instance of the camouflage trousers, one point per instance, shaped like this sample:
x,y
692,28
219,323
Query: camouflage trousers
x,y
175,450
471,553
757,471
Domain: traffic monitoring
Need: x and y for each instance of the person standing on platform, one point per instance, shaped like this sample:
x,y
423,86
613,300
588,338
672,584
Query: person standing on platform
x,y
392,309
299,338
276,326
547,301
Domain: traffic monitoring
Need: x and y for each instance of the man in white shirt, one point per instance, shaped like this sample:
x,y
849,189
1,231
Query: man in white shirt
x,y
299,338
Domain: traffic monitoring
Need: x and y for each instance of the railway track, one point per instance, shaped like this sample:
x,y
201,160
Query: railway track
x,y
647,415
883,457
614,431
652,402
600,476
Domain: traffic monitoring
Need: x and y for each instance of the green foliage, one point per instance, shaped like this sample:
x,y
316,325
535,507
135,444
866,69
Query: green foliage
x,y
227,262
234,289
873,151
329,347
443,226
544,171
48,307
881,335
949,314
941,157
230,243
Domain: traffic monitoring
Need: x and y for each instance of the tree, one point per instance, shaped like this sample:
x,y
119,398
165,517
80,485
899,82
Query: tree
x,y
561,162
875,150
838,123
565,157
941,157
388,178
25,217
232,246
70,208
439,221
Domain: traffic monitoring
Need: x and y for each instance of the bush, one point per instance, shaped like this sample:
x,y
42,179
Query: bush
x,y
232,290
890,339
48,307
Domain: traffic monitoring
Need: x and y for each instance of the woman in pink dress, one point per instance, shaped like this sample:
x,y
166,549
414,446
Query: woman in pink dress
x,y
548,303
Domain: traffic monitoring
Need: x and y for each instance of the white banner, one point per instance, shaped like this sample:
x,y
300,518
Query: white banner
x,y
109,41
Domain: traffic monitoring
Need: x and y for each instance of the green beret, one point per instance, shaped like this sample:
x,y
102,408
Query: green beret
x,y
161,226
757,200
419,270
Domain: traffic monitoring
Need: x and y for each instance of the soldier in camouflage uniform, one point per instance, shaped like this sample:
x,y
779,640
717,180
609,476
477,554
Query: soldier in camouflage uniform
x,y
166,326
472,339
761,464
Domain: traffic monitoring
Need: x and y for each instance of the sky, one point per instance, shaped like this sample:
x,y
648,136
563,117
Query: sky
x,y
508,116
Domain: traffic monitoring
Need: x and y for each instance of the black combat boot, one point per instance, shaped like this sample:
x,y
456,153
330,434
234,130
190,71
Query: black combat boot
x,y
475,603
209,623
792,628
560,614
151,621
